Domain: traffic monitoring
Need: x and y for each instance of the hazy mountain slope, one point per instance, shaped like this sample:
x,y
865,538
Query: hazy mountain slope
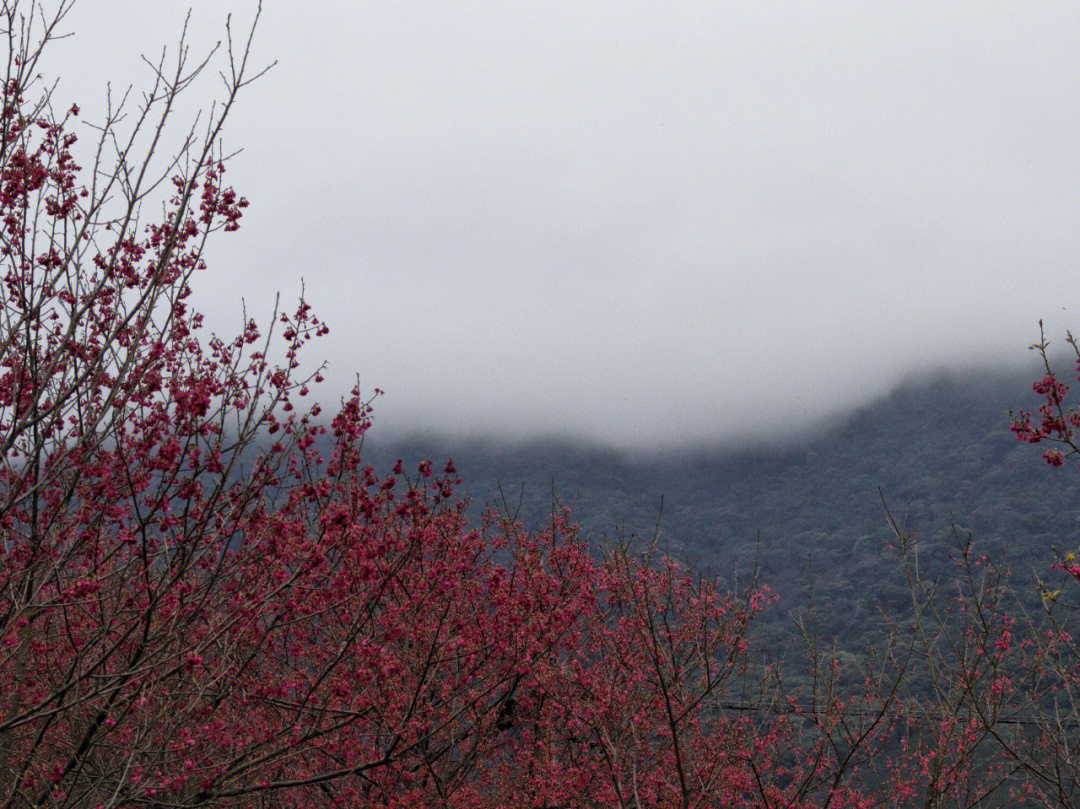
x,y
939,451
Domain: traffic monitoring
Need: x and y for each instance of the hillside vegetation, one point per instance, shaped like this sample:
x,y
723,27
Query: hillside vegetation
x,y
937,452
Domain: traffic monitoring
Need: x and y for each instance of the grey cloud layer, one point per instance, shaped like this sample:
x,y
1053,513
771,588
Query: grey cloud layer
x,y
647,223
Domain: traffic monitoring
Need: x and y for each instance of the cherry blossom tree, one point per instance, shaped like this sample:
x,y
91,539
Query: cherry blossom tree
x,y
208,599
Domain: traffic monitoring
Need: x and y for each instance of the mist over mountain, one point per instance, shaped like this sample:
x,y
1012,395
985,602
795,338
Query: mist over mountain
x,y
937,451
636,223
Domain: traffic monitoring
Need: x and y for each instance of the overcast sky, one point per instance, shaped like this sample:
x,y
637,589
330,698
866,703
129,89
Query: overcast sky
x,y
640,223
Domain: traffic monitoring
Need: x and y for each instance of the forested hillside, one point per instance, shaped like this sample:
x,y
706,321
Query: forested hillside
x,y
939,451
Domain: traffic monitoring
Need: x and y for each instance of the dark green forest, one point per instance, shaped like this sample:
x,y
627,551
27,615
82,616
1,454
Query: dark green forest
x,y
937,453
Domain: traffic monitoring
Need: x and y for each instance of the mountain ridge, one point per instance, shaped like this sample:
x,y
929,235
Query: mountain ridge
x,y
937,452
